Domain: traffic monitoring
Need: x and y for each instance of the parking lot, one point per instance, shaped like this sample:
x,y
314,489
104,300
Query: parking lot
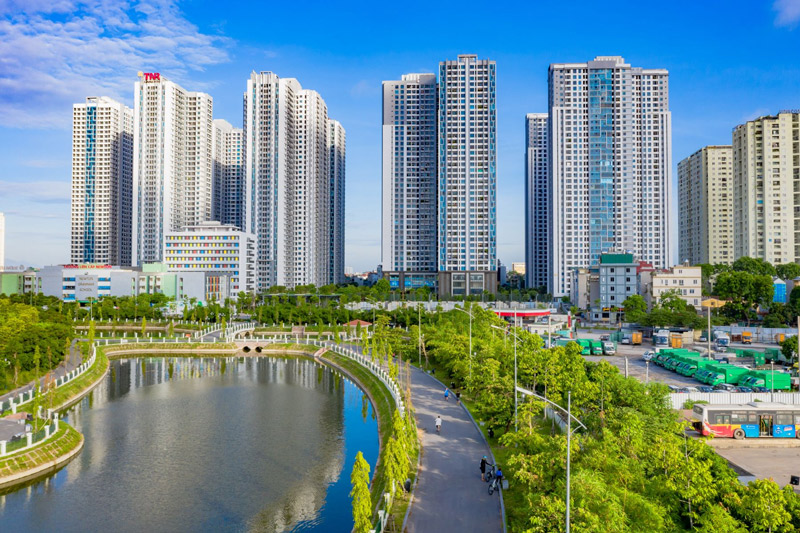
x,y
761,459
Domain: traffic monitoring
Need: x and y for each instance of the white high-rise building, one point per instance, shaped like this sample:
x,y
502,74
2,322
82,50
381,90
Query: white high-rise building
x,y
705,206
766,181
337,147
229,187
288,181
537,201
173,170
102,180
2,241
467,176
611,163
408,237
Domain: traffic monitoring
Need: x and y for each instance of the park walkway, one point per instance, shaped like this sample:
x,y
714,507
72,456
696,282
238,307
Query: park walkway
x,y
449,495
75,360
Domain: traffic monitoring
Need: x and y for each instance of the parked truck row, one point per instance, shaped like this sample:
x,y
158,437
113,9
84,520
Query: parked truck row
x,y
730,370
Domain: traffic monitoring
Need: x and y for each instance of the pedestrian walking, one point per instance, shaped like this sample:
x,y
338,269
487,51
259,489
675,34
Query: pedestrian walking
x,y
438,423
484,462
458,397
446,394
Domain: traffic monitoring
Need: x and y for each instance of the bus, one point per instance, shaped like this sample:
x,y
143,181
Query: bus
x,y
661,338
750,420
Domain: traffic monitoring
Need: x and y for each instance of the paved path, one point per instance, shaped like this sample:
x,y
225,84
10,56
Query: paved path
x,y
62,369
449,495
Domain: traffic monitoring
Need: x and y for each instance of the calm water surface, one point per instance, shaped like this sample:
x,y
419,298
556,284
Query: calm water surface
x,y
181,444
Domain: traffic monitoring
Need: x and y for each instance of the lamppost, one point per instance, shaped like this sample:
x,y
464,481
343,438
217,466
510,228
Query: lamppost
x,y
470,337
419,328
516,425
772,380
568,410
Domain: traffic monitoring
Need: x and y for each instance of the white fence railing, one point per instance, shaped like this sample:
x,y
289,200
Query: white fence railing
x,y
375,369
31,439
678,399
23,397
234,329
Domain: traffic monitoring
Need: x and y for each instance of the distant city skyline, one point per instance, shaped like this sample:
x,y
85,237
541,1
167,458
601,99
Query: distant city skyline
x,y
68,52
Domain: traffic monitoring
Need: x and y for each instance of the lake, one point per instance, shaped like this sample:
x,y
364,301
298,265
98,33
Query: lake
x,y
206,444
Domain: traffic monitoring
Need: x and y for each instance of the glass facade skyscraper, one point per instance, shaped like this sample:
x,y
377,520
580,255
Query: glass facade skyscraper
x,y
610,160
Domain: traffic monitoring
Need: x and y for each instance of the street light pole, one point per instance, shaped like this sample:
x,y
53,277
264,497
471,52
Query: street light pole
x,y
419,327
569,445
772,381
470,338
708,333
568,410
516,425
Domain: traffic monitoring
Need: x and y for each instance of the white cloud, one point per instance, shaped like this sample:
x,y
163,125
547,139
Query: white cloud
x,y
54,53
46,192
788,12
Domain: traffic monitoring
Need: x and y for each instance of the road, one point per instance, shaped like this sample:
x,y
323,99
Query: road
x,y
450,495
75,360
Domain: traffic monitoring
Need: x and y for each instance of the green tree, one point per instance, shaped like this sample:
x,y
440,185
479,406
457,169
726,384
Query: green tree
x,y
635,308
382,289
754,266
144,326
789,348
788,271
763,507
362,500
717,519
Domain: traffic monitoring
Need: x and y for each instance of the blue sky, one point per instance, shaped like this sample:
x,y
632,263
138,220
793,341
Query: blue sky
x,y
728,62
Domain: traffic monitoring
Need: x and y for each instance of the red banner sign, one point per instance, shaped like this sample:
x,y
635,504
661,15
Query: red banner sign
x,y
152,76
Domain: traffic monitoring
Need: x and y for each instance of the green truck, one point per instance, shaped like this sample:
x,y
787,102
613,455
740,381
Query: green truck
x,y
586,346
597,347
691,368
722,373
768,379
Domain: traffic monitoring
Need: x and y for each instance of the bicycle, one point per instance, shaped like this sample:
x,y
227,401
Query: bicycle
x,y
490,473
494,485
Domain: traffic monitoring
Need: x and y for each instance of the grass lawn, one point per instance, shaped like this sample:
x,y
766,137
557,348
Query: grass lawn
x,y
64,441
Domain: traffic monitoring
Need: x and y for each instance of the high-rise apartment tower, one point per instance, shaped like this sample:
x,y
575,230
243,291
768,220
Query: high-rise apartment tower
x,y
289,142
766,188
610,165
537,201
705,206
467,176
173,170
102,181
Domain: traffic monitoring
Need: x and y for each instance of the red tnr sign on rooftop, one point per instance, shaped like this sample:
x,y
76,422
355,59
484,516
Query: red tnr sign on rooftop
x,y
152,76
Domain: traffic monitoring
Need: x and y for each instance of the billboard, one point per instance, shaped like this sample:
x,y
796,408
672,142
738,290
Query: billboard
x,y
85,287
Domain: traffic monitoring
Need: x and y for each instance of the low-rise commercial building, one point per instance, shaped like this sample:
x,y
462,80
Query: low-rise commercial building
x,y
216,249
88,282
685,280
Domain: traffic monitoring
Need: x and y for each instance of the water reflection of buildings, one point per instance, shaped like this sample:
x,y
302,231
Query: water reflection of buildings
x,y
303,494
